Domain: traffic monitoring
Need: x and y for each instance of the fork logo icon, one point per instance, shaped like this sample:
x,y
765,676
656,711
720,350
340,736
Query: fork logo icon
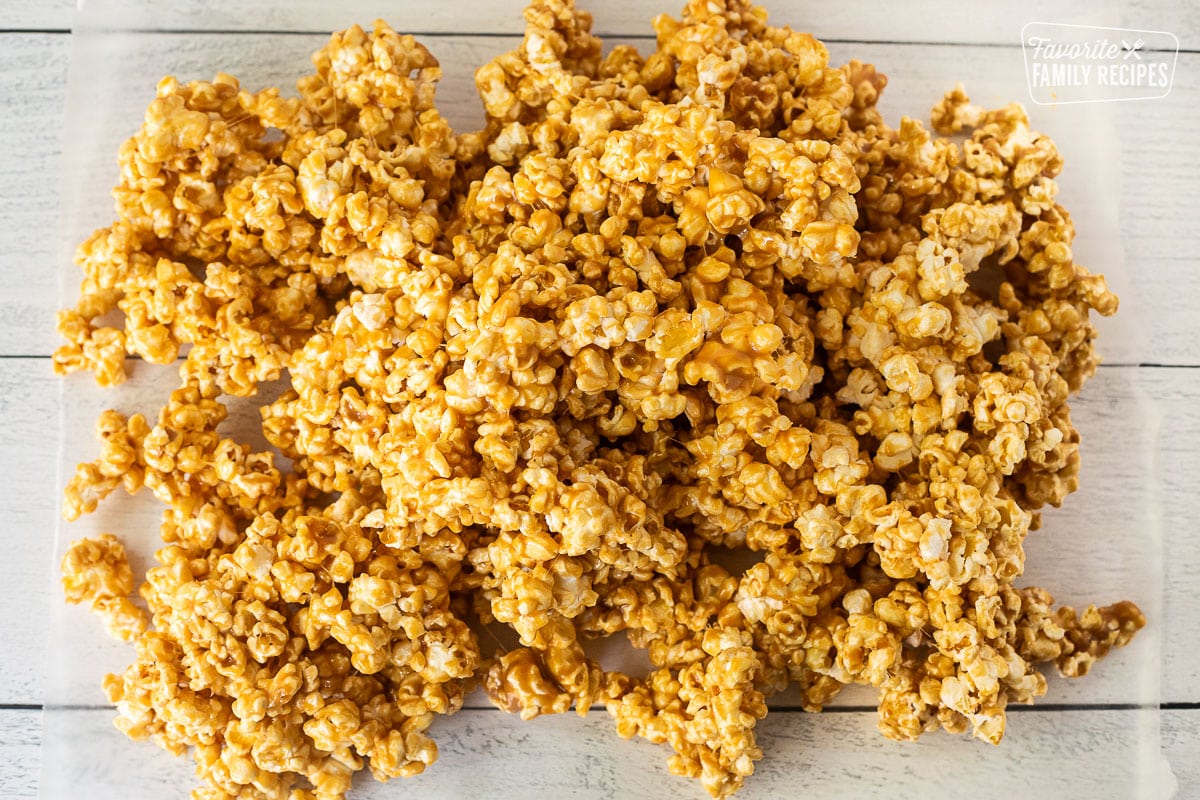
x,y
1132,49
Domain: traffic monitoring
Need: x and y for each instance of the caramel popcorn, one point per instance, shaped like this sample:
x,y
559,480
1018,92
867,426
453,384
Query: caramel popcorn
x,y
545,374
97,572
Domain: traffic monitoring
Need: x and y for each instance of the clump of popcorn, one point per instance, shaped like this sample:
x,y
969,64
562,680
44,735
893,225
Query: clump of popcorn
x,y
544,374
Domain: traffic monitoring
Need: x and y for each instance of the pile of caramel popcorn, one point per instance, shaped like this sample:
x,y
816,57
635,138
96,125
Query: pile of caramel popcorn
x,y
548,374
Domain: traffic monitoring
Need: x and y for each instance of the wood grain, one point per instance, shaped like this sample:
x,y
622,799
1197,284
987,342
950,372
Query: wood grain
x,y
36,15
1181,746
33,72
1177,393
28,507
21,754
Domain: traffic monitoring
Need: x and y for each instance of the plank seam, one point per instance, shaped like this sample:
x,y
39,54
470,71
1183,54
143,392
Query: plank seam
x,y
503,35
1104,365
1021,709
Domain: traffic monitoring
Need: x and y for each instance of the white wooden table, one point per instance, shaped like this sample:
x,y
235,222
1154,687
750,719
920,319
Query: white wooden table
x,y
1157,184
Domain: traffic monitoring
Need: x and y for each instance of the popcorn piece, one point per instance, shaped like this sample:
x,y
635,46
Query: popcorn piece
x,y
97,572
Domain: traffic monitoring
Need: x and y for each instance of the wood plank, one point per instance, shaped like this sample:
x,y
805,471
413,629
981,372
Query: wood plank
x,y
1102,546
1181,746
1157,220
847,21
857,20
33,73
1177,393
485,753
29,397
21,754
1142,199
37,15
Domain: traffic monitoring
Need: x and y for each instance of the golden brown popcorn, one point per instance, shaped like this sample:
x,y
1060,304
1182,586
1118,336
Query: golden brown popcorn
x,y
96,572
544,374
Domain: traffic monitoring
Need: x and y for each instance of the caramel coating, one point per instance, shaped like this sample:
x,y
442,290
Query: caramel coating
x,y
97,572
543,374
